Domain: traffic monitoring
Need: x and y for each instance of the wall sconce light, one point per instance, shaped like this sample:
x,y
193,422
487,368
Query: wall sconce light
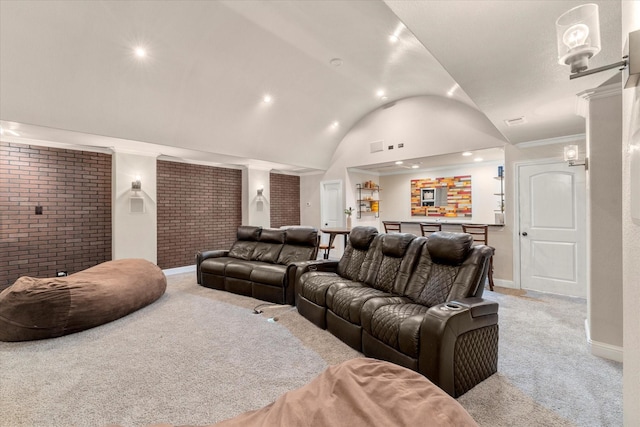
x,y
137,184
260,190
571,156
578,39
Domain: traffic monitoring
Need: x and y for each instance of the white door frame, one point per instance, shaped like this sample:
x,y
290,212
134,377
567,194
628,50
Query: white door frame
x,y
516,223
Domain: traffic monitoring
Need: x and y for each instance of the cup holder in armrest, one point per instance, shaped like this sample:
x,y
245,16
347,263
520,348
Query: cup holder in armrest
x,y
451,306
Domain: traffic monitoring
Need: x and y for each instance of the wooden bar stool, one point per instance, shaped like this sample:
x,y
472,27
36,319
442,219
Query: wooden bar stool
x,y
392,226
326,247
427,228
480,234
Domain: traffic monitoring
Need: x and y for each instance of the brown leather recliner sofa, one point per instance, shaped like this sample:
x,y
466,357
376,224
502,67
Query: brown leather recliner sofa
x,y
260,264
414,301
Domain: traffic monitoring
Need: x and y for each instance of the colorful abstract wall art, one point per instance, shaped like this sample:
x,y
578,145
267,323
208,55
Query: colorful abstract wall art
x,y
441,197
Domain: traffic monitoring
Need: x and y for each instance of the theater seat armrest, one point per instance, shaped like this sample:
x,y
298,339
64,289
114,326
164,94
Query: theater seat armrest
x,y
477,306
202,255
315,265
441,327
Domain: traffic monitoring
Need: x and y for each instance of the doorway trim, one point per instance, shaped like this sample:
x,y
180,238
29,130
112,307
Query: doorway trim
x,y
517,247
340,185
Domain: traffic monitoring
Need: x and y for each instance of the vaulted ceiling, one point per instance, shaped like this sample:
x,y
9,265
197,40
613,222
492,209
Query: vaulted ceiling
x,y
69,73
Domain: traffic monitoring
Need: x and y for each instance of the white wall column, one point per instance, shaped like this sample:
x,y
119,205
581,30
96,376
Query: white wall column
x,y
604,211
134,233
255,208
631,229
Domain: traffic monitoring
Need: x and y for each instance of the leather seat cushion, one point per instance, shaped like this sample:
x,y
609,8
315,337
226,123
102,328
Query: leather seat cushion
x,y
269,274
216,265
398,326
347,301
314,285
240,269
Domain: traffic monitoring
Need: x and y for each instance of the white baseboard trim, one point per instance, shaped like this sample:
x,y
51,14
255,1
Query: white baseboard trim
x,y
604,350
180,270
505,283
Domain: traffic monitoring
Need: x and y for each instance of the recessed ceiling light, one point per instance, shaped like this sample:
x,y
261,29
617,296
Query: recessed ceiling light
x,y
380,93
478,159
336,62
399,162
414,166
453,90
140,52
335,124
393,38
467,153
267,99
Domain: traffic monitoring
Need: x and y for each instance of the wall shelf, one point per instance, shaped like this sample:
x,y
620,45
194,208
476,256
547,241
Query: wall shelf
x,y
500,209
368,201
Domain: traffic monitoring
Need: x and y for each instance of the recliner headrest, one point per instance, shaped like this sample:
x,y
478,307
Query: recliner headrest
x,y
449,248
395,244
249,232
302,236
272,235
361,237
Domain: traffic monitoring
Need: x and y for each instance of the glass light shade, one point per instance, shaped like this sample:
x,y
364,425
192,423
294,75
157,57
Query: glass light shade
x,y
578,36
570,153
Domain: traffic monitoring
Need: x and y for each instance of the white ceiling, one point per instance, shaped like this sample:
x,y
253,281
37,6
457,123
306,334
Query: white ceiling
x,y
503,54
68,73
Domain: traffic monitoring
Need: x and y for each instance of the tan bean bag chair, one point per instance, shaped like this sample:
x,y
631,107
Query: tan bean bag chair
x,y
360,392
33,309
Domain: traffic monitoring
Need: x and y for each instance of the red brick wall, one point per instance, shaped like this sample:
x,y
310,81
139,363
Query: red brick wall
x,y
199,208
285,199
74,230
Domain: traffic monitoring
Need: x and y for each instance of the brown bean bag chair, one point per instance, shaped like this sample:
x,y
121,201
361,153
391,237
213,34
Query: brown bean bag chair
x,y
360,392
33,309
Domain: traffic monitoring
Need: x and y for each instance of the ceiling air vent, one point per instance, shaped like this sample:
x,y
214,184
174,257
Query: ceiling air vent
x,y
375,146
515,122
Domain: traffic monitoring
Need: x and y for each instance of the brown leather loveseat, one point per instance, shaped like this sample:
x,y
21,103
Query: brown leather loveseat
x,y
261,263
414,301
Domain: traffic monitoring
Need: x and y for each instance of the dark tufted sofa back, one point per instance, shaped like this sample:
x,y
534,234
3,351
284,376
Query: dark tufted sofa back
x,y
447,269
352,260
388,256
247,240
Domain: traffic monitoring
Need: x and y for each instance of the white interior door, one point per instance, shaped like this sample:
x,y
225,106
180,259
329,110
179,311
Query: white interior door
x,y
553,229
331,204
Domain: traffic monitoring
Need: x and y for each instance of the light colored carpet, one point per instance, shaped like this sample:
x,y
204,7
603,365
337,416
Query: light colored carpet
x,y
198,356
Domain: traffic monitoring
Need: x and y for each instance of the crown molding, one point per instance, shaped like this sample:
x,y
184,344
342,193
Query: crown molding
x,y
582,103
551,141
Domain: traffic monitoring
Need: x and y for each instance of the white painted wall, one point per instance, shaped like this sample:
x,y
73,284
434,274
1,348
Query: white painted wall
x,y
256,210
631,230
310,200
604,209
134,234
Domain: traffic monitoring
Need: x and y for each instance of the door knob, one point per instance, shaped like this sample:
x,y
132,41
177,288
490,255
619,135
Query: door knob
x,y
524,233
